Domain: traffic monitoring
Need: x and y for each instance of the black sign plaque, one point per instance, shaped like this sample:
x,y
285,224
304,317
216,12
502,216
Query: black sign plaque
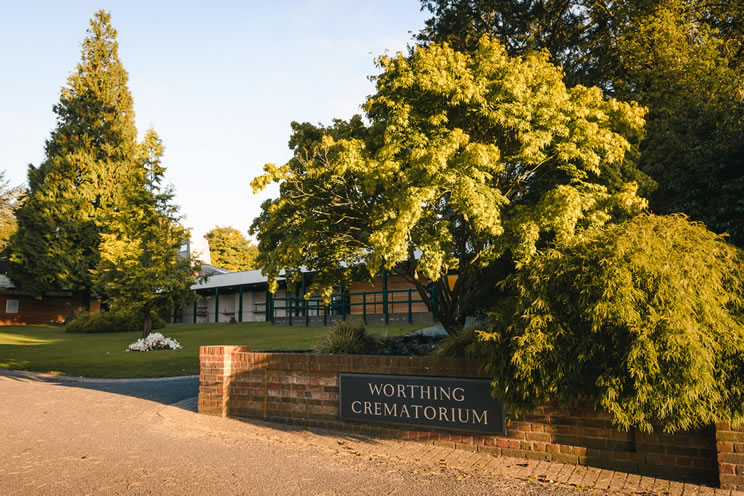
x,y
442,402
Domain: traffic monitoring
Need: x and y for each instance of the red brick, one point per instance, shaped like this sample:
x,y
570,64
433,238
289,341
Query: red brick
x,y
735,458
726,468
538,436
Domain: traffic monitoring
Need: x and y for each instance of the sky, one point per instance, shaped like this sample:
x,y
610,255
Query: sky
x,y
219,81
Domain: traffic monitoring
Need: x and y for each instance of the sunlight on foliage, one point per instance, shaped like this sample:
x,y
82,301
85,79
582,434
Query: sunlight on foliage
x,y
463,159
645,319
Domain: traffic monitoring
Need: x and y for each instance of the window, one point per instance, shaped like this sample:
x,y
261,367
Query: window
x,y
11,306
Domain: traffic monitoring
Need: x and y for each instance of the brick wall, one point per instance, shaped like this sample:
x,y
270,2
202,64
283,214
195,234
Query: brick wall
x,y
730,444
303,389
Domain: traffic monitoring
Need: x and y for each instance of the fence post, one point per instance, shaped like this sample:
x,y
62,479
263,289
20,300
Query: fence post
x,y
267,305
217,305
364,308
307,313
240,306
291,310
343,305
194,311
410,314
384,295
325,314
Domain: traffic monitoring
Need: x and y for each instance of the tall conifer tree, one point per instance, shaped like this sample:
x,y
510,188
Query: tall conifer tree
x,y
140,270
90,157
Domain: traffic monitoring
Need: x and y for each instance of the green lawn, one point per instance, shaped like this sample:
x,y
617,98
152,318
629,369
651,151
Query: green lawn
x,y
51,349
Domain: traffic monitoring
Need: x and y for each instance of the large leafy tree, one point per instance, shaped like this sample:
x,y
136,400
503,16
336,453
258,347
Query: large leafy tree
x,y
683,59
90,158
140,270
644,319
468,159
229,249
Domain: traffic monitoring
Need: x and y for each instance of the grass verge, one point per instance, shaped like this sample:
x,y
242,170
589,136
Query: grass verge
x,y
50,349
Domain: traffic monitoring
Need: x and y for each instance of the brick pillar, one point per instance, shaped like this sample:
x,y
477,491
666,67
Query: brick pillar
x,y
215,371
730,447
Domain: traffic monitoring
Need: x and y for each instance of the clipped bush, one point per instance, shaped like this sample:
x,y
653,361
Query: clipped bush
x,y
349,337
644,319
110,322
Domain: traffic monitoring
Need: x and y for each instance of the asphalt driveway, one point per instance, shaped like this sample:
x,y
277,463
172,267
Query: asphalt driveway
x,y
73,437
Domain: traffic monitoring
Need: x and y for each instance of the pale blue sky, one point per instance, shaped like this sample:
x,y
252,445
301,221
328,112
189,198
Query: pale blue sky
x,y
219,81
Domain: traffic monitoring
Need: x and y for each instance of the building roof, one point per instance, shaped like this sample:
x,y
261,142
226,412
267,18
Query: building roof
x,y
230,279
6,283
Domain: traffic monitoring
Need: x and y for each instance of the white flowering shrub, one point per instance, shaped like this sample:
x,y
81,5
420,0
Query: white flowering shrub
x,y
154,341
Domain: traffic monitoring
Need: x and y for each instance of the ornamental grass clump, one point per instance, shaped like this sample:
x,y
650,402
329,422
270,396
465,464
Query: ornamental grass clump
x,y
644,319
349,338
154,341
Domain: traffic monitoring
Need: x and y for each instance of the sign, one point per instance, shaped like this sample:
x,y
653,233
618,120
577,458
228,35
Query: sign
x,y
443,402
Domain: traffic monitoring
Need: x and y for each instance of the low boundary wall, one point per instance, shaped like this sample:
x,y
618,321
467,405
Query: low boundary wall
x,y
303,389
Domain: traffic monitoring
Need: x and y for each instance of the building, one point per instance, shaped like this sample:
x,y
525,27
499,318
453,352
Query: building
x,y
244,297
20,308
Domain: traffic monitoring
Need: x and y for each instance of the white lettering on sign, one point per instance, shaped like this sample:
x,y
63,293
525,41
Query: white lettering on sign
x,y
442,414
463,404
416,391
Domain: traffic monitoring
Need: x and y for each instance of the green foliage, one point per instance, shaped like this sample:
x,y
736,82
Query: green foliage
x,y
229,249
681,70
463,345
10,199
350,338
89,158
644,319
682,59
468,159
110,322
140,270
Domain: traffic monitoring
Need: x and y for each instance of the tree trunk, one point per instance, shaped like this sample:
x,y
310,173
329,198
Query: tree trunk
x,y
147,326
80,304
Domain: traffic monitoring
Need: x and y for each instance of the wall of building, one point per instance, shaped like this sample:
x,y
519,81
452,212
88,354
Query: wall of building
x,y
254,308
21,309
303,389
397,301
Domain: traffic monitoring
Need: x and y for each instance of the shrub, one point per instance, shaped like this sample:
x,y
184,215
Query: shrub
x,y
644,319
110,322
349,337
462,345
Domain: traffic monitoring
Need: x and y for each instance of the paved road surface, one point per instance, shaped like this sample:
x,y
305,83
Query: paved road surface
x,y
59,437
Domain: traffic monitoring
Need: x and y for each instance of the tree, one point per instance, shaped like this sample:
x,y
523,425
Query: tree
x,y
10,199
645,319
682,59
229,249
140,270
90,157
468,160
680,69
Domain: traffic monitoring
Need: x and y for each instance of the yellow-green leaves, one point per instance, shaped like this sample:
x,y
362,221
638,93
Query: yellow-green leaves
x,y
645,319
464,158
